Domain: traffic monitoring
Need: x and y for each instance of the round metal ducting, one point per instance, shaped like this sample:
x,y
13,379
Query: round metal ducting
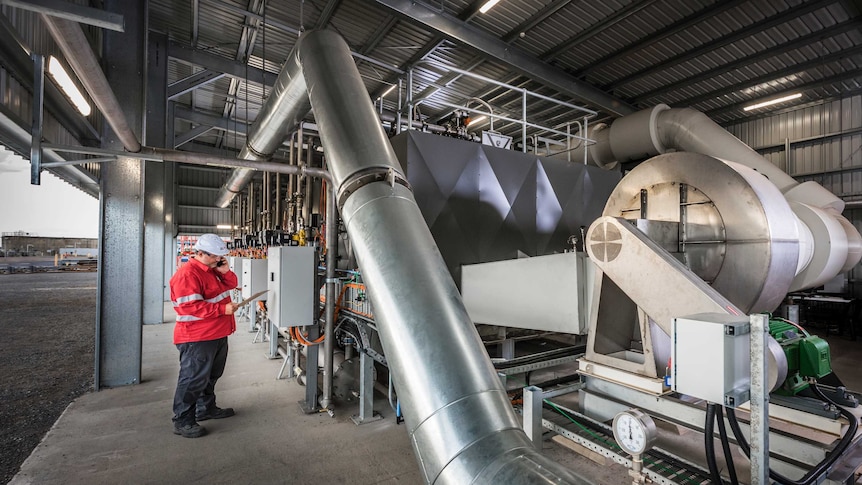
x,y
735,229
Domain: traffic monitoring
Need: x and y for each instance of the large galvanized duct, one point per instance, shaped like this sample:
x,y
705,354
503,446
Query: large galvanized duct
x,y
286,106
461,423
835,245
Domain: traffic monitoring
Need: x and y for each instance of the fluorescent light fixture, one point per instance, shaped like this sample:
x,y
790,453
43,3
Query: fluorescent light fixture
x,y
387,91
55,69
224,226
487,6
773,101
476,120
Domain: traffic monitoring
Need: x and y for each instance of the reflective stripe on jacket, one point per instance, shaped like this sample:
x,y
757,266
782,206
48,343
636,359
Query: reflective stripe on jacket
x,y
200,294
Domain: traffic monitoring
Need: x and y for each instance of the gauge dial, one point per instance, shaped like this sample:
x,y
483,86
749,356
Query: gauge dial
x,y
634,431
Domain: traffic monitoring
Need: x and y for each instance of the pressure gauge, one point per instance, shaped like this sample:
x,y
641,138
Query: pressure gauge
x,y
634,431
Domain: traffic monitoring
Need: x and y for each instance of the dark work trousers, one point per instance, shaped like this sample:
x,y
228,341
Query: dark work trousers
x,y
201,365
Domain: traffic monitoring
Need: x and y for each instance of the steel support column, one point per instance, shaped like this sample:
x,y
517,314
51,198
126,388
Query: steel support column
x,y
155,280
121,234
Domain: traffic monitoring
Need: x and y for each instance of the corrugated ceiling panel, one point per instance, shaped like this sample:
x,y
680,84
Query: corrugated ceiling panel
x,y
507,15
356,22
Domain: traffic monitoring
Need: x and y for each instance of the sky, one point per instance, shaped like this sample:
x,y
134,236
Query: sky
x,y
52,209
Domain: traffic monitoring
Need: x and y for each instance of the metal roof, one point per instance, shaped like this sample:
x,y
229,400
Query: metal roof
x,y
715,56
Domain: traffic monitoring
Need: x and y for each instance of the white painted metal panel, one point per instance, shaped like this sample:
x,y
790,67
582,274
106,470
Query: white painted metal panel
x,y
548,293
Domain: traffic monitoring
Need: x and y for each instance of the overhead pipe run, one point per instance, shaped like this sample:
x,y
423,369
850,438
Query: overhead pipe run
x,y
830,243
459,417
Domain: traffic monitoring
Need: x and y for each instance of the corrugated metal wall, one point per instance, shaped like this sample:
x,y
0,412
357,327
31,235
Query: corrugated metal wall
x,y
197,188
822,143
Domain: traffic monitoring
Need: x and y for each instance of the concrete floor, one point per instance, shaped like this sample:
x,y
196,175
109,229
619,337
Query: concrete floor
x,y
124,435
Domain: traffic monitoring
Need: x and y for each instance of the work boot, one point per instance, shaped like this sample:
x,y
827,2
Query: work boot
x,y
193,430
215,413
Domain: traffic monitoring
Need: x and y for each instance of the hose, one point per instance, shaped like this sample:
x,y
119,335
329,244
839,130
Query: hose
x,y
725,446
709,444
814,474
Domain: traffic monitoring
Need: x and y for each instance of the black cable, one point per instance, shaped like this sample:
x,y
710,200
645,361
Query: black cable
x,y
709,443
814,474
725,446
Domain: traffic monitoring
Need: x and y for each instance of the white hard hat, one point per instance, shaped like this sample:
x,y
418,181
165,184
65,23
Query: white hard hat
x,y
210,243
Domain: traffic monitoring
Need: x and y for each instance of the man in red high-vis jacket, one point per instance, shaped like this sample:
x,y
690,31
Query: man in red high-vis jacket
x,y
201,294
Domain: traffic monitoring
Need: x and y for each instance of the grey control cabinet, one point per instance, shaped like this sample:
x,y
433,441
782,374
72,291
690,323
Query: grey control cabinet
x,y
712,357
293,293
235,265
253,277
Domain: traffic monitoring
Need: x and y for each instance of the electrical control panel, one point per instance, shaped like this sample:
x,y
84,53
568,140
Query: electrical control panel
x,y
711,357
235,265
293,297
253,277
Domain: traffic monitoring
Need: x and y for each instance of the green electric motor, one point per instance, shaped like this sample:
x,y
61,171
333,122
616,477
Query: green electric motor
x,y
807,356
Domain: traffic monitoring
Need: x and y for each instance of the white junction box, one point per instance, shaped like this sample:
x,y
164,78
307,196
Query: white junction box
x,y
253,277
235,265
293,297
711,357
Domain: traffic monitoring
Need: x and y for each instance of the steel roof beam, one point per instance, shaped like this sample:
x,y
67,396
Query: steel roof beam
x,y
70,11
539,17
190,135
622,14
820,83
193,82
327,13
252,15
774,76
513,57
382,31
212,62
820,35
765,24
673,29
229,125
15,57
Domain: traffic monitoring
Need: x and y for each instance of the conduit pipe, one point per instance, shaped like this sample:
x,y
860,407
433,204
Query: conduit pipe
x,y
462,426
836,244
71,40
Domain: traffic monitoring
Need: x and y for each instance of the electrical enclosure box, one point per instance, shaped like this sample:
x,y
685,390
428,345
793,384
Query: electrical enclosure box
x,y
235,265
293,298
253,277
711,357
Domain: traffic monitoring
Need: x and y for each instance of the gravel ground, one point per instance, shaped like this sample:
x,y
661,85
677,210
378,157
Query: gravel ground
x,y
47,330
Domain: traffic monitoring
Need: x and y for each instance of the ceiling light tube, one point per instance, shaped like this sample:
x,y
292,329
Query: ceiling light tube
x,y
487,5
56,70
476,120
224,226
387,92
773,101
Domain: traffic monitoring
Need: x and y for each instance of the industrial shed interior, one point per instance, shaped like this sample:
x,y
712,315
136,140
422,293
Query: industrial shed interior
x,y
501,242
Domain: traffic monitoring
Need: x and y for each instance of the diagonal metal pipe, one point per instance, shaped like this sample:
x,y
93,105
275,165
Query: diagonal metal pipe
x,y
459,417
284,109
71,40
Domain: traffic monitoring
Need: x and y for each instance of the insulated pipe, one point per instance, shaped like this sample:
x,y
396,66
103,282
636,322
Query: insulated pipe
x,y
461,423
71,40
